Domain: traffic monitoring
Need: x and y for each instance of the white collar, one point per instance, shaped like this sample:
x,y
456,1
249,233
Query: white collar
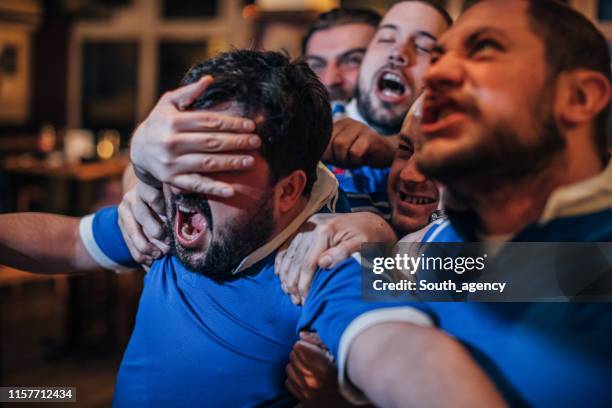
x,y
324,194
586,196
352,111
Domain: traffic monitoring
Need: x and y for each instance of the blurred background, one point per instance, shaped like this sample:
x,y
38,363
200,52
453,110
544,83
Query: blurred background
x,y
76,77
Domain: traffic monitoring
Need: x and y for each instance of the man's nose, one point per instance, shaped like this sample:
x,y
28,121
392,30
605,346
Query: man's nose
x,y
399,57
446,72
332,77
411,174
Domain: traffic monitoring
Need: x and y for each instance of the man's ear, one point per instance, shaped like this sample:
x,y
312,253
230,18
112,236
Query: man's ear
x,y
289,190
584,95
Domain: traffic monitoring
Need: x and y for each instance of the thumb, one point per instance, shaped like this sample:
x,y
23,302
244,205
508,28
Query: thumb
x,y
333,256
185,95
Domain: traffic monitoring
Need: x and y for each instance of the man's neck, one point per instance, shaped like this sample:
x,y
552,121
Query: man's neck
x,y
288,217
509,207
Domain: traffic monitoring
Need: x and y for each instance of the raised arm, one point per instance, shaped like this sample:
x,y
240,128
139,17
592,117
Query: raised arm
x,y
43,243
402,365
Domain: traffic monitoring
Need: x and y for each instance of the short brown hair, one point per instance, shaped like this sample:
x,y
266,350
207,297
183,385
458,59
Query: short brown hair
x,y
339,17
572,42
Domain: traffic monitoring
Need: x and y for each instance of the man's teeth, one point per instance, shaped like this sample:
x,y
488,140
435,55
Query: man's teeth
x,y
389,76
389,92
391,84
416,200
185,210
188,232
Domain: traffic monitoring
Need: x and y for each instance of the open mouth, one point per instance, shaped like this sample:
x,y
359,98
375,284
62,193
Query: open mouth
x,y
191,226
416,200
391,86
440,114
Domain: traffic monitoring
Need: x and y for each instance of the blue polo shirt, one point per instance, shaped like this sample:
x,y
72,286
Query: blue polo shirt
x,y
365,186
537,354
197,342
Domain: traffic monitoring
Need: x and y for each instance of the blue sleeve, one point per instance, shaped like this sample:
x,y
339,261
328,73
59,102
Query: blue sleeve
x,y
102,237
334,302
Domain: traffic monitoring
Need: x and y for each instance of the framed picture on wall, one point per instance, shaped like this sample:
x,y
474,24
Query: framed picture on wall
x,y
14,78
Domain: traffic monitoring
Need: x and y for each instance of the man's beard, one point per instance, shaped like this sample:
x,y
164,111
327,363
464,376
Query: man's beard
x,y
231,245
337,93
382,119
385,119
500,155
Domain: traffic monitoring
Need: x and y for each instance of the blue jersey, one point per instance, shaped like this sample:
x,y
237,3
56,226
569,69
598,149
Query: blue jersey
x,y
538,354
197,342
365,186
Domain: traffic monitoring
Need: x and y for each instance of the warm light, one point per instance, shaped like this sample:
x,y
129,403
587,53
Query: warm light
x,y
250,11
285,5
105,149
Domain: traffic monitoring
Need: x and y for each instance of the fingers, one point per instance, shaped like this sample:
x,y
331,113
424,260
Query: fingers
x,y
193,142
312,338
299,264
140,248
294,386
342,143
161,245
206,120
198,183
295,389
314,359
336,254
296,379
210,163
185,95
149,222
153,197
358,150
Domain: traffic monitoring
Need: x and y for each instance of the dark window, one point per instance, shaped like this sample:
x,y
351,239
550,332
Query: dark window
x,y
189,8
604,12
175,58
109,86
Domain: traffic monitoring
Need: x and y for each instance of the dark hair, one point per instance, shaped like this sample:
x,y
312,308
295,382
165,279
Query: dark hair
x,y
571,42
436,4
339,17
297,123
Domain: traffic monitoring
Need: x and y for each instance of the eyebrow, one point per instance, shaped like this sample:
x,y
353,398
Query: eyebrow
x,y
315,57
440,49
485,30
421,33
389,26
352,51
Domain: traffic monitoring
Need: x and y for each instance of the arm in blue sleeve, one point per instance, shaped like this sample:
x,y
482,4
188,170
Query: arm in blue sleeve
x,y
103,240
335,310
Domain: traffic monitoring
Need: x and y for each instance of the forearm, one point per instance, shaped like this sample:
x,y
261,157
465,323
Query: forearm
x,y
400,364
43,243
